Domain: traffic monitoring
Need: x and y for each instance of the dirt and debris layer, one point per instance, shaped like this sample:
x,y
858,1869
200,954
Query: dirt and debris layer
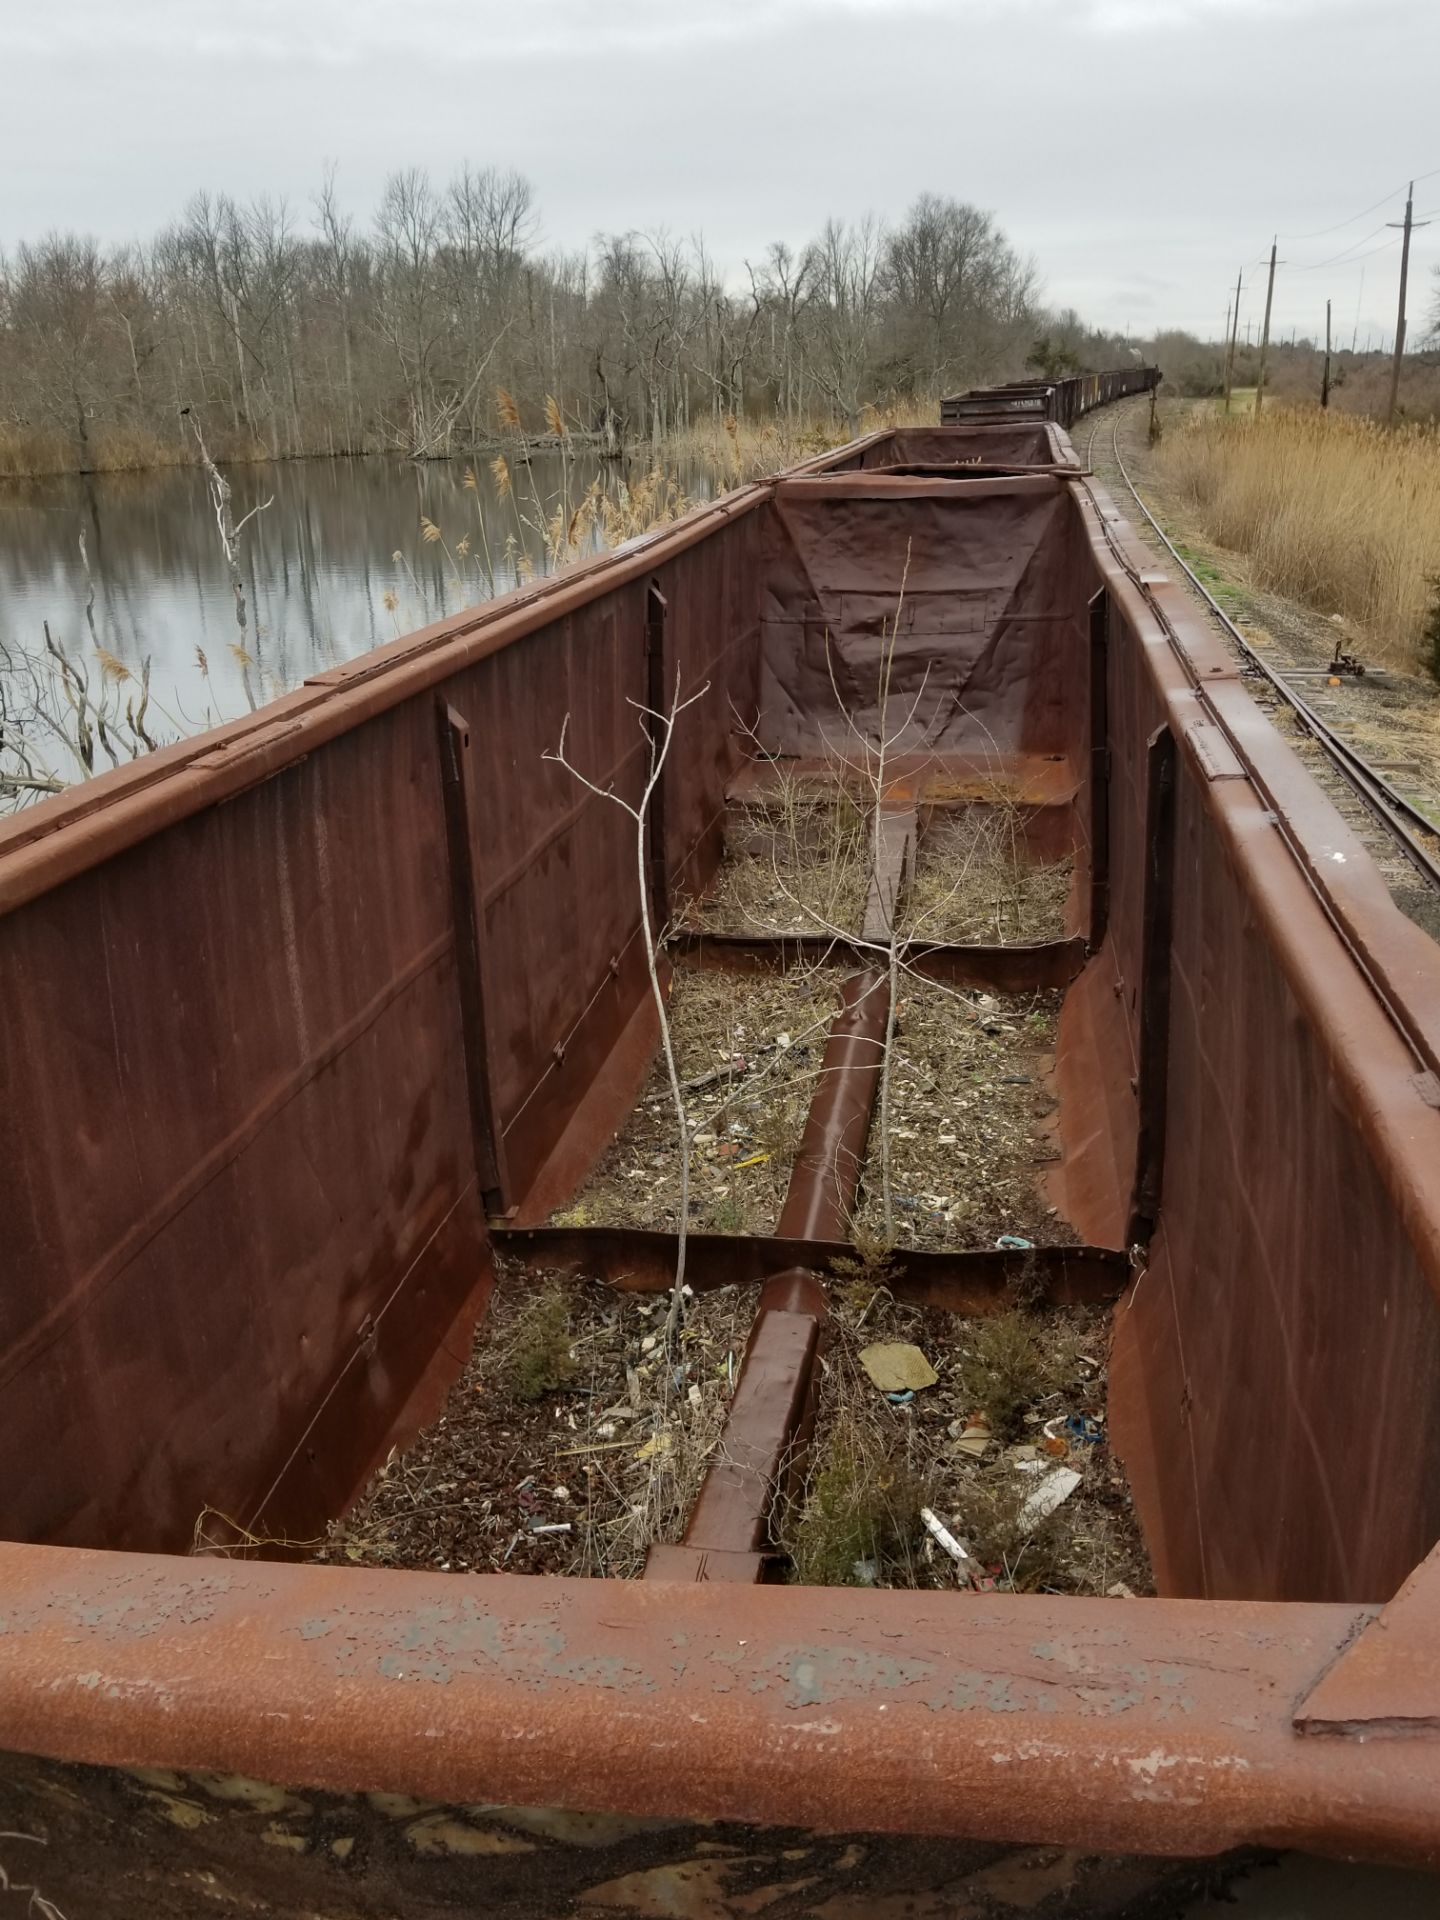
x,y
749,1049
807,868
1036,1378
567,1416
970,1103
973,884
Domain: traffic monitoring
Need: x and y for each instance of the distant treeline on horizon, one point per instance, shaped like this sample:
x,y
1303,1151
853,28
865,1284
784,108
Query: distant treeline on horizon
x,y
296,333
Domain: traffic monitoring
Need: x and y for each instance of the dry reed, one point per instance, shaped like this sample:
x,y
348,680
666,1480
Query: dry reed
x,y
1336,512
736,451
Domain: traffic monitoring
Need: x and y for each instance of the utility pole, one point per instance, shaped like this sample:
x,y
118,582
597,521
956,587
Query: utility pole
x,y
1325,376
1234,336
1409,222
1265,330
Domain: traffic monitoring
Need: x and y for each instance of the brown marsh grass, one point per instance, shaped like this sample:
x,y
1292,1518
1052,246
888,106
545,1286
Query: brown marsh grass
x,y
737,451
1334,511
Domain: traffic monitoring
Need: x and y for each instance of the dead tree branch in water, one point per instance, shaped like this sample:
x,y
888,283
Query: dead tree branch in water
x,y
230,532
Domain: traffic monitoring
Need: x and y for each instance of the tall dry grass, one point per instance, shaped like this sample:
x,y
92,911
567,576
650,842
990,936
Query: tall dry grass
x,y
739,450
1331,510
29,453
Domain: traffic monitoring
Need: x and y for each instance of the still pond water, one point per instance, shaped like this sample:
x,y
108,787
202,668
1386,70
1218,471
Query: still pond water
x,y
334,565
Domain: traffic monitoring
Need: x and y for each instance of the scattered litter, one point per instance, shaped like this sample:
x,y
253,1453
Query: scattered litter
x,y
1084,1429
657,1443
901,1399
552,1526
894,1366
755,1160
866,1573
1056,1488
957,1550
1014,1243
695,1396
974,1437
1119,1592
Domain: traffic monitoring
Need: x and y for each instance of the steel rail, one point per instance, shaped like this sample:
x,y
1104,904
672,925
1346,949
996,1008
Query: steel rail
x,y
1399,815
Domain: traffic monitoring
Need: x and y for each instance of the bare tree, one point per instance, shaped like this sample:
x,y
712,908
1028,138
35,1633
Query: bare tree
x,y
57,307
659,732
784,288
847,263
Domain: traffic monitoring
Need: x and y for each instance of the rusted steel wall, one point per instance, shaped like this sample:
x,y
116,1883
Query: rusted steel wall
x,y
238,1185
563,964
1274,1385
239,1171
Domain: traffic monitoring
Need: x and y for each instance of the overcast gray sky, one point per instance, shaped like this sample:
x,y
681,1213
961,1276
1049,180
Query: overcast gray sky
x,y
1140,149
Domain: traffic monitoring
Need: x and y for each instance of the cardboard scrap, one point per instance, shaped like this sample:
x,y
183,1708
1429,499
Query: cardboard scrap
x,y
896,1367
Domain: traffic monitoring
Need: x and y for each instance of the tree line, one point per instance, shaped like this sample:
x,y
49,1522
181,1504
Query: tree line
x,y
307,332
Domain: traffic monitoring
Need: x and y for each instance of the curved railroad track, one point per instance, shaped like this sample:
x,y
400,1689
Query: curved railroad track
x,y
1405,824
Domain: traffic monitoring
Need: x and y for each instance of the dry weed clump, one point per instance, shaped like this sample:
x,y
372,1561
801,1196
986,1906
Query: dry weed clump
x,y
1011,1365
975,884
858,1523
538,1359
798,864
1334,511
874,1464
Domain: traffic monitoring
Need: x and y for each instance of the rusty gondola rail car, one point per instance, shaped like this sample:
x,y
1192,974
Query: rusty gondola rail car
x,y
1061,401
303,1017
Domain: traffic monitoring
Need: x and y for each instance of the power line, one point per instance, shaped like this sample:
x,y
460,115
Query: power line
x,y
1320,232
1315,265
1354,261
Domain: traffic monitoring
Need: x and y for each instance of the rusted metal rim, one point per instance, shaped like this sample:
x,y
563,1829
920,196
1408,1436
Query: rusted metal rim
x,y
1070,1722
871,484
